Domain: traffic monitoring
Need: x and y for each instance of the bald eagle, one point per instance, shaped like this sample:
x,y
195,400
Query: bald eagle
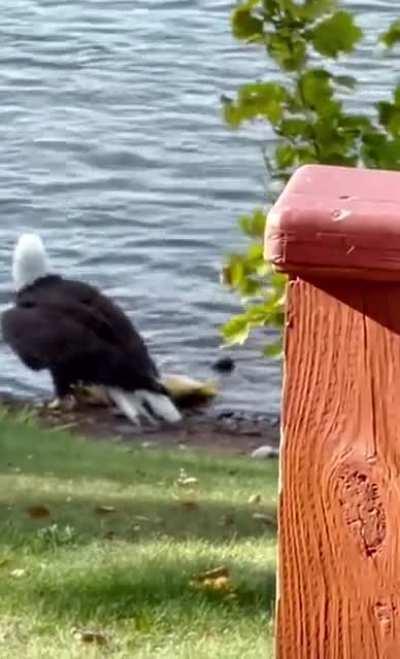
x,y
80,336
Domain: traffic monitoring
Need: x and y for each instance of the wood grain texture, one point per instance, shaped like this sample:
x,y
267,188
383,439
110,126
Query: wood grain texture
x,y
339,533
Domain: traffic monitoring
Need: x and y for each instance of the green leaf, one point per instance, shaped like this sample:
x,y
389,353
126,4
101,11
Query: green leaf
x,y
389,117
392,36
231,113
277,318
255,254
253,225
256,100
245,25
251,287
234,271
315,92
345,81
262,99
295,128
272,8
335,146
255,261
287,49
236,330
285,155
336,34
257,314
354,124
279,281
315,89
313,9
380,151
273,350
307,155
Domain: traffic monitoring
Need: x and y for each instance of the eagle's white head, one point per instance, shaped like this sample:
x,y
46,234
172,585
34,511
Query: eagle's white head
x,y
29,260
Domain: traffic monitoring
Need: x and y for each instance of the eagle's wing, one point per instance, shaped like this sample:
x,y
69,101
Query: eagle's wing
x,y
45,338
57,339
88,305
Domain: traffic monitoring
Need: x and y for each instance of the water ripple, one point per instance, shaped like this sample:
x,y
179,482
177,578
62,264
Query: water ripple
x,y
113,147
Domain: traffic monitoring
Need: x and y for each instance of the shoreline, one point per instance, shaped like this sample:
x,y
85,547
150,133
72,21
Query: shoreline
x,y
226,431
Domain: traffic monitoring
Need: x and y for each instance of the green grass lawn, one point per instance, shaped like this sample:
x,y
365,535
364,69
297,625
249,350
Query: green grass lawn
x,y
109,539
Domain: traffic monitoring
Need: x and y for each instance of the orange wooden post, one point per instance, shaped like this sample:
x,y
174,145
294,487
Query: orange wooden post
x,y
336,231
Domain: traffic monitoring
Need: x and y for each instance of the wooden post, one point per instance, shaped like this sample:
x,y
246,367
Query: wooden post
x,y
336,231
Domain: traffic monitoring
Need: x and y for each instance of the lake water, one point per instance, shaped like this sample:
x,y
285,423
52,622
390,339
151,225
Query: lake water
x,y
113,148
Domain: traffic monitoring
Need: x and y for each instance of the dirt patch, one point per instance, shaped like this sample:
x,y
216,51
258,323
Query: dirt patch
x,y
224,431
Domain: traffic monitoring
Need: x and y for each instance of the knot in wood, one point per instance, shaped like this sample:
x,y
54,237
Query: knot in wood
x,y
362,508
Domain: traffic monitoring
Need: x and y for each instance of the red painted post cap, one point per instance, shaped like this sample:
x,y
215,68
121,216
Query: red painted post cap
x,y
337,221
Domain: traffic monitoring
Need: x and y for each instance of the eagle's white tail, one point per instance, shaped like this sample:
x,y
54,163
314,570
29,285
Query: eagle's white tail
x,y
125,403
154,407
29,261
159,406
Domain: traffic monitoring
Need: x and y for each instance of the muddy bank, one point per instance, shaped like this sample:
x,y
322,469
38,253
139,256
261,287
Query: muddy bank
x,y
224,431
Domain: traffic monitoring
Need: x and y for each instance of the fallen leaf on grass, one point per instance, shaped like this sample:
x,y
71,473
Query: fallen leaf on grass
x,y
18,573
184,480
38,512
215,573
217,579
143,518
269,520
227,520
148,444
190,505
222,583
103,510
90,636
255,499
64,426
